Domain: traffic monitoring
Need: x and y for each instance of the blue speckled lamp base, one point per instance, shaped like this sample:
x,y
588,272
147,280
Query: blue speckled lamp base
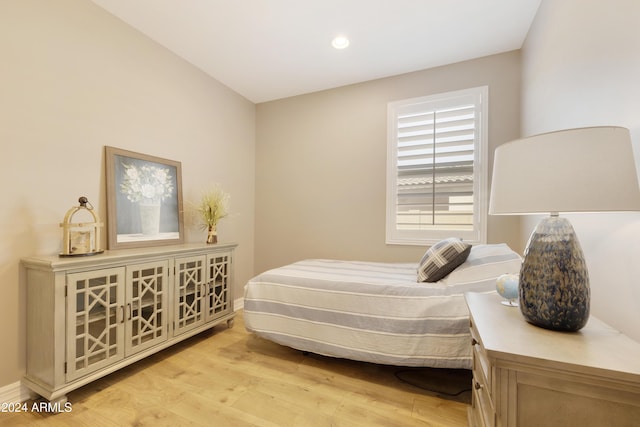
x,y
554,281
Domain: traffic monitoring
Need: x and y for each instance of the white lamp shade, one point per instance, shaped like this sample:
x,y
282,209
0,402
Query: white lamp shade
x,y
576,170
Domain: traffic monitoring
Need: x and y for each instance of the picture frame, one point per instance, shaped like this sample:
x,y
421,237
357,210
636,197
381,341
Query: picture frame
x,y
144,200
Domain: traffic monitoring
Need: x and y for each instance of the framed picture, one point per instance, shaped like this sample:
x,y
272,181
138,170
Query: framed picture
x,y
144,200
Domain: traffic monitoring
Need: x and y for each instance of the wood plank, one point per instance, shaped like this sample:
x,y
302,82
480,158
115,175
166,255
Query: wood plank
x,y
233,378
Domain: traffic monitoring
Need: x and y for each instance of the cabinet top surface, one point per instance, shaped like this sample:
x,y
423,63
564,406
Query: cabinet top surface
x,y
55,262
505,334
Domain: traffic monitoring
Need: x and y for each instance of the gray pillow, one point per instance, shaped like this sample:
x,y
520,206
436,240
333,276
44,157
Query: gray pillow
x,y
442,258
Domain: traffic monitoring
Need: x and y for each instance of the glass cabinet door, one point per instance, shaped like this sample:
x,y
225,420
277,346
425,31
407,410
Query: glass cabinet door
x,y
190,289
146,305
94,320
218,280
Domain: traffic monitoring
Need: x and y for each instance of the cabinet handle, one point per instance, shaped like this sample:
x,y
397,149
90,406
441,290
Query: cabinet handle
x,y
474,341
129,309
122,312
477,385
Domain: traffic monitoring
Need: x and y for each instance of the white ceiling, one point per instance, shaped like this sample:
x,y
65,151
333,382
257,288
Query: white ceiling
x,y
271,49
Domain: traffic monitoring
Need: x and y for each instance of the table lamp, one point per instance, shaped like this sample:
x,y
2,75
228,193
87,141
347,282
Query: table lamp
x,y
569,171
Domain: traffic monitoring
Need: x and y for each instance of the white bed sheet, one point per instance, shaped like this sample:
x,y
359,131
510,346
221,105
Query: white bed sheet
x,y
374,312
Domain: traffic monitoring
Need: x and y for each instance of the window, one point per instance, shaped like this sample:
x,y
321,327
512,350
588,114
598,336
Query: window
x,y
436,168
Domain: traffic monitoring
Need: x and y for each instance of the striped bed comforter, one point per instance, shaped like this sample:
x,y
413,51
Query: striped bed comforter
x,y
374,312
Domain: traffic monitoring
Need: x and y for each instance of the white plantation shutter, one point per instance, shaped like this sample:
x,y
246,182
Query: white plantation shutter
x,y
436,180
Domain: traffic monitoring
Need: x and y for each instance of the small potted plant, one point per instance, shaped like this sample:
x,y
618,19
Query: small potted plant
x,y
212,208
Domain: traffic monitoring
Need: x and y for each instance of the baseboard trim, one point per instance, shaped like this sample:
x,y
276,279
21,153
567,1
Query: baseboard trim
x,y
238,304
14,393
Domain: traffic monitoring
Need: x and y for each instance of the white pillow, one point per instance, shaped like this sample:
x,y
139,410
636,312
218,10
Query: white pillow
x,y
486,262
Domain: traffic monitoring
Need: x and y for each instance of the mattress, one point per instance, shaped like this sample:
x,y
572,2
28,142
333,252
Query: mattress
x,y
371,311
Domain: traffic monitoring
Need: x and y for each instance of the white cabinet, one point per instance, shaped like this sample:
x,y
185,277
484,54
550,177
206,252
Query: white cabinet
x,y
89,316
94,300
217,298
524,375
202,290
114,313
190,291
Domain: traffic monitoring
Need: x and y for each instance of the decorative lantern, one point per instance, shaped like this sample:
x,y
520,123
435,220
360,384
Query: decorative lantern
x,y
81,239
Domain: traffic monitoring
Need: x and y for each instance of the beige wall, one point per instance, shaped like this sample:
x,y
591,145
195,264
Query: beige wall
x,y
73,79
581,67
321,163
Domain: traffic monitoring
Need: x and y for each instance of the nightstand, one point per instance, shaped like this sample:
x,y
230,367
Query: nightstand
x,y
524,375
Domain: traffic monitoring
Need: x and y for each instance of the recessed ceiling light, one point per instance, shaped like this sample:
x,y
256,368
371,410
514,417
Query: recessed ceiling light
x,y
340,42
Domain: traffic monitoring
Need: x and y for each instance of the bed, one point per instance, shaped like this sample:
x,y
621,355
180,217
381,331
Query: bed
x,y
374,312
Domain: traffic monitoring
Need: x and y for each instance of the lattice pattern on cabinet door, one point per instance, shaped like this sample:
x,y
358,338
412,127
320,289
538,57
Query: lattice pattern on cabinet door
x,y
96,327
146,308
189,287
219,283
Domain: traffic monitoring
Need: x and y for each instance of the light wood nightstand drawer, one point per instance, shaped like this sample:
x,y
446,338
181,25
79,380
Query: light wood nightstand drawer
x,y
531,376
482,407
481,366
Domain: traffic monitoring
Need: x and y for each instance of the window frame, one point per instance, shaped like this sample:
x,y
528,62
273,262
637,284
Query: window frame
x,y
436,102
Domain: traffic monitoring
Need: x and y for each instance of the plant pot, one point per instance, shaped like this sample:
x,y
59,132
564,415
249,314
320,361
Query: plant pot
x,y
212,235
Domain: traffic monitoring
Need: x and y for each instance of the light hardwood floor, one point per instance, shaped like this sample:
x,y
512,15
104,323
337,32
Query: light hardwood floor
x,y
229,377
